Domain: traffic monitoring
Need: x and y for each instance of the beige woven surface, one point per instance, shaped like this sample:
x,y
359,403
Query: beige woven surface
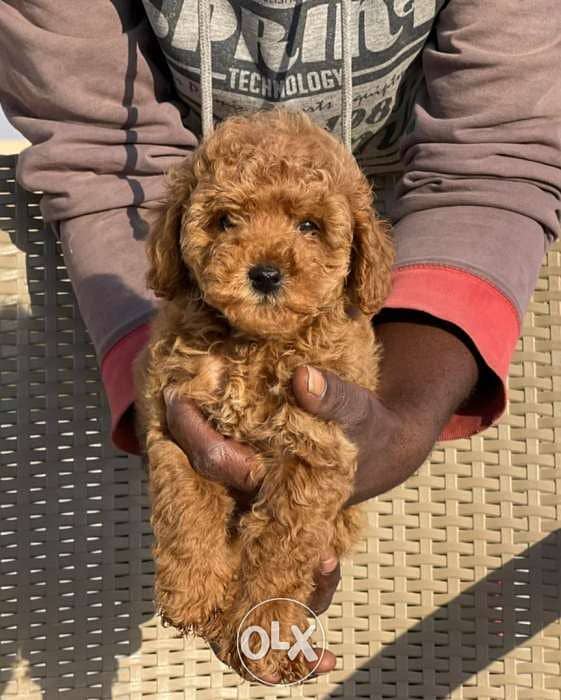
x,y
454,593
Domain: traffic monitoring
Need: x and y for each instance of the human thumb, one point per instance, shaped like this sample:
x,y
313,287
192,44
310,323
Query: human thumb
x,y
327,396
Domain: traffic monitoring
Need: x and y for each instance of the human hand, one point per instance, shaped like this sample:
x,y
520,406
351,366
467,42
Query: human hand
x,y
429,369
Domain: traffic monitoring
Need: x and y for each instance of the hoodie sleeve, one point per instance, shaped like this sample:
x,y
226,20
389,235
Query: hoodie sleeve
x,y
480,198
90,90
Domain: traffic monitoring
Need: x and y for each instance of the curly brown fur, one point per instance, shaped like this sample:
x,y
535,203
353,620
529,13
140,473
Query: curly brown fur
x,y
233,350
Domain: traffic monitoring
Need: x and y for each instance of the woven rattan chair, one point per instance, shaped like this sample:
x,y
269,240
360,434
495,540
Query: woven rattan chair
x,y
454,593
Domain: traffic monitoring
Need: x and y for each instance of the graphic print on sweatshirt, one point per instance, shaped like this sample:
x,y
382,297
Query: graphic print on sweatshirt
x,y
287,53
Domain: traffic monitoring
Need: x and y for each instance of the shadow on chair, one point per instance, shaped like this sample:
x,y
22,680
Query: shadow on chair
x,y
444,650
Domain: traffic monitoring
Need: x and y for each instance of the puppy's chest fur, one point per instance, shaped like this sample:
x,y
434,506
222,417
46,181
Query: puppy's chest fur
x,y
243,385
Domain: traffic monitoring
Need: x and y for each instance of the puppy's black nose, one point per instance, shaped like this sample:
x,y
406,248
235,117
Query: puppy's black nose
x,y
265,278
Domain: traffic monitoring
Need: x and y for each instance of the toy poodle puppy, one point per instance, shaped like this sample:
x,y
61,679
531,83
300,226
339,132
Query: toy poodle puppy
x,y
268,256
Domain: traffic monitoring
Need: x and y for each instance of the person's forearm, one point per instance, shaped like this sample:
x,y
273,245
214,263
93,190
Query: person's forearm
x,y
477,204
429,368
101,142
99,163
482,162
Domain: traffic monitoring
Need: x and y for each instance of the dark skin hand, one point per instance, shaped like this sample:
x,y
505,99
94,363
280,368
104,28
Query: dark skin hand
x,y
429,369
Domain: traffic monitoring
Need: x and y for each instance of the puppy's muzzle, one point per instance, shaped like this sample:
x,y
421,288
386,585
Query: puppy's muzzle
x,y
265,279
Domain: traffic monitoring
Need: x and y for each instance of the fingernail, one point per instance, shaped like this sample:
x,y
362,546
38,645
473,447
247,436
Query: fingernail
x,y
168,394
327,566
271,678
316,382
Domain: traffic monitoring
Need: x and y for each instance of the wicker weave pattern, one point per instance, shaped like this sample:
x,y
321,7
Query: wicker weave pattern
x,y
455,592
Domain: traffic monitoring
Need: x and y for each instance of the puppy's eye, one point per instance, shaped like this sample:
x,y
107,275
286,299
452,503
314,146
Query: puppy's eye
x,y
308,226
224,222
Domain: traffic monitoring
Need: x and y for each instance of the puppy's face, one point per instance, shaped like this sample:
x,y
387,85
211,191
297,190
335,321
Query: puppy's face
x,y
270,228
269,255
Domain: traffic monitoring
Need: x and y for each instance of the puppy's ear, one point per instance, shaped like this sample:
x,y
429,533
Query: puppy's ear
x,y
372,257
167,273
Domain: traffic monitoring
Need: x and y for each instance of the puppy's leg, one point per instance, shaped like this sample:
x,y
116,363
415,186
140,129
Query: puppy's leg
x,y
193,555
348,526
296,518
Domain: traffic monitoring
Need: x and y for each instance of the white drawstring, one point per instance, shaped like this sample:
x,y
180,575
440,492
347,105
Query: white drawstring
x,y
347,73
205,52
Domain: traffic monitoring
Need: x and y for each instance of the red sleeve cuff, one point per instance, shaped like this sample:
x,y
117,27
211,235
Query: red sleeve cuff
x,y
481,310
116,374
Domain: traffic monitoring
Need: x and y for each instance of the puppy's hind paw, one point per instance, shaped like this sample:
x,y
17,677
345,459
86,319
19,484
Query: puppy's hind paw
x,y
271,645
207,629
190,616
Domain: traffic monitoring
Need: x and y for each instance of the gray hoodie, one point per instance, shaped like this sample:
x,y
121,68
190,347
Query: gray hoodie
x,y
456,116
